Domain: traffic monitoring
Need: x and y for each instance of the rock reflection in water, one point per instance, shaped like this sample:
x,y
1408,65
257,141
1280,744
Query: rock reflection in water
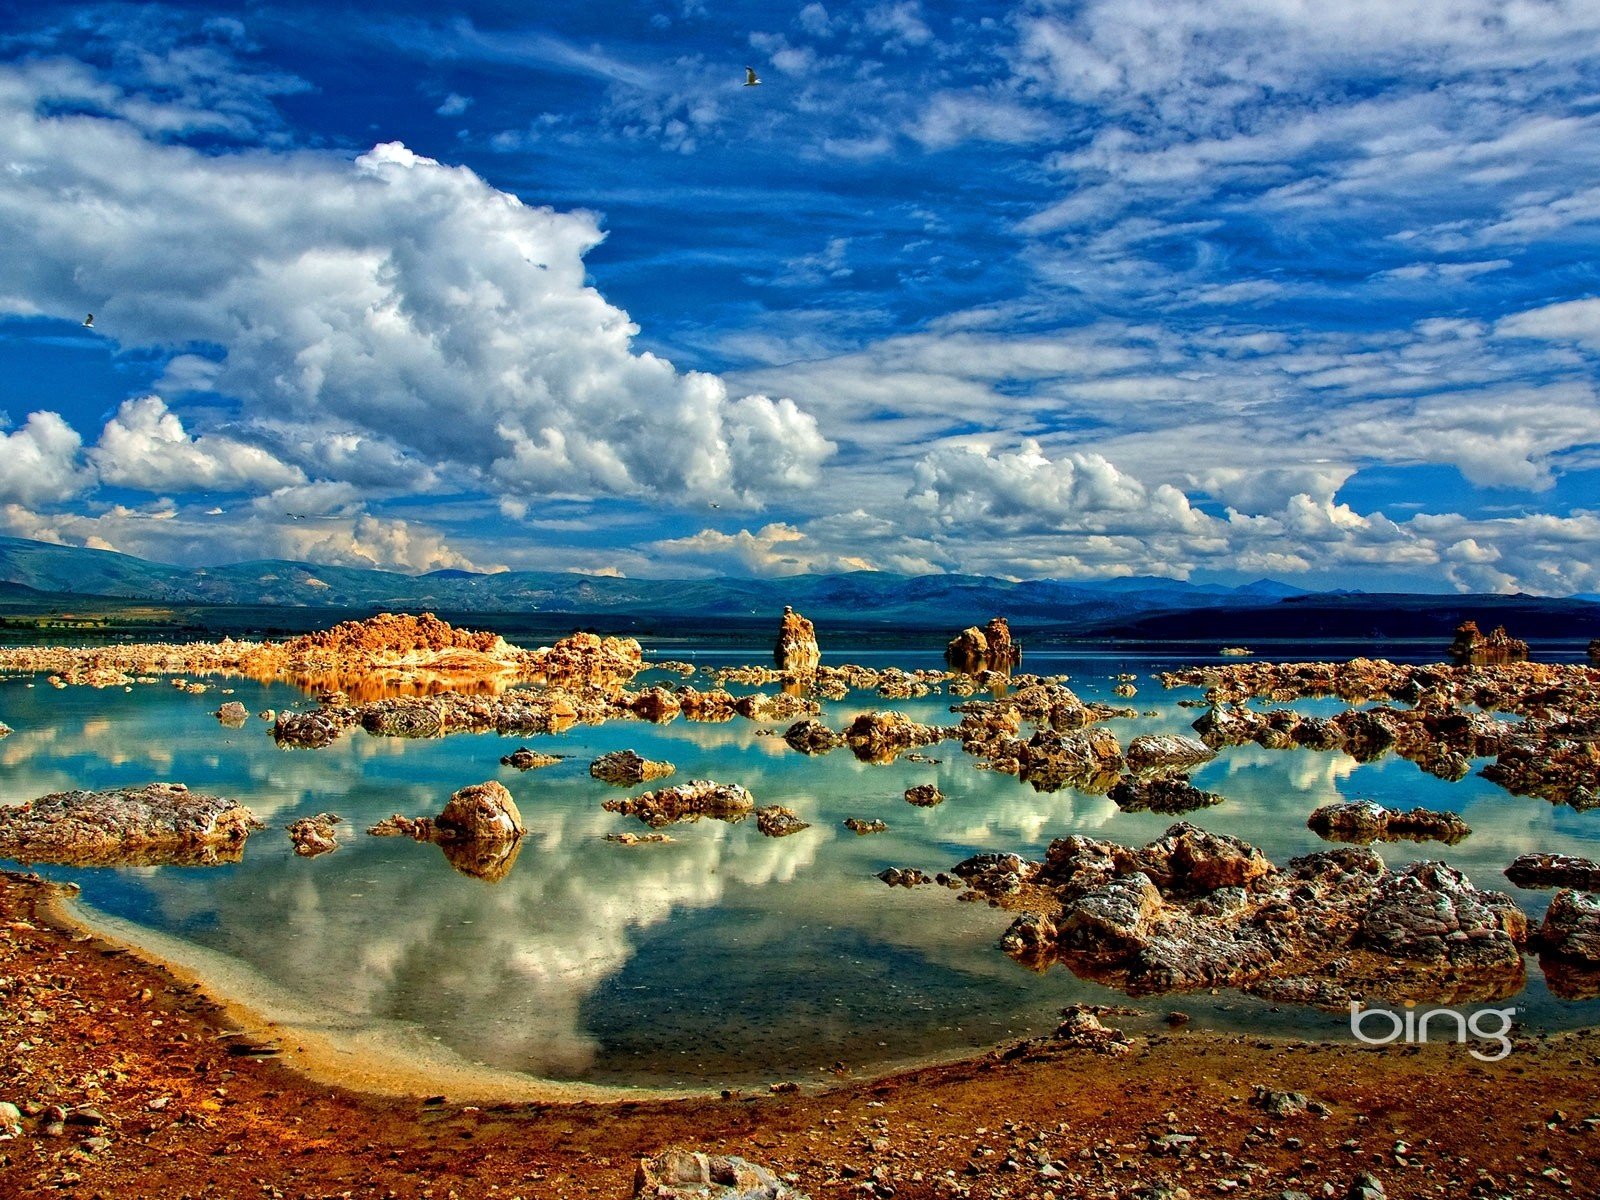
x,y
490,861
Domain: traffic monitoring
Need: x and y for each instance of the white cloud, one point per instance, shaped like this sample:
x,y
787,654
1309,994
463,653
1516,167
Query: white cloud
x,y
1570,321
392,300
954,117
40,462
144,446
164,532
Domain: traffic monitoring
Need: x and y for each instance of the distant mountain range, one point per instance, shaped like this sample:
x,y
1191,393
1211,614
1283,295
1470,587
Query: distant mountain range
x,y
38,575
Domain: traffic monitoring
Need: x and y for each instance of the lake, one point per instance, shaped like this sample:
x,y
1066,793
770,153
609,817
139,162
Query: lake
x,y
724,957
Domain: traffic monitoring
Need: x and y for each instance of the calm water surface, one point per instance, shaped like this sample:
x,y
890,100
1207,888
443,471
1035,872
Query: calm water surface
x,y
725,956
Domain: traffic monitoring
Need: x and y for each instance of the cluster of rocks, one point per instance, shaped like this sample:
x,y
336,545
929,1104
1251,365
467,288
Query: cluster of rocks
x,y
661,705
906,877
1472,648
1365,821
860,825
924,795
627,767
991,648
1087,759
687,802
1082,1028
1201,910
1552,752
155,824
588,658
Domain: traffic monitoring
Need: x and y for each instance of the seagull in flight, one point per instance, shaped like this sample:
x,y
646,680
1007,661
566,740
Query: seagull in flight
x,y
88,322
750,79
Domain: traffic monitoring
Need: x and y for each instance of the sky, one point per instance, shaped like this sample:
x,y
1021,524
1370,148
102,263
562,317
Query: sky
x,y
1206,289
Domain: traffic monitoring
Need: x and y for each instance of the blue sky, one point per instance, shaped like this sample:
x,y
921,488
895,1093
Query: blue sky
x,y
1212,289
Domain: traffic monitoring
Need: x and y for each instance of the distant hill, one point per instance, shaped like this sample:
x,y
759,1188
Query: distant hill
x,y
1374,616
1147,607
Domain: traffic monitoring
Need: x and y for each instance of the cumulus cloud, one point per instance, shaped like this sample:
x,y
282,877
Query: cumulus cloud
x,y
391,298
144,446
775,549
41,462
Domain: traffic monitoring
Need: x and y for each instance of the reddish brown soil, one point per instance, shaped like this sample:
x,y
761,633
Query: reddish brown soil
x,y
186,1115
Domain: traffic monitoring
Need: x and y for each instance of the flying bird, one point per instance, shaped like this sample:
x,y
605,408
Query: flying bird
x,y
88,322
715,505
750,79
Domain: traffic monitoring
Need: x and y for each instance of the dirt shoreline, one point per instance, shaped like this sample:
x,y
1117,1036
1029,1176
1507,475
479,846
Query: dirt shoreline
x,y
186,1108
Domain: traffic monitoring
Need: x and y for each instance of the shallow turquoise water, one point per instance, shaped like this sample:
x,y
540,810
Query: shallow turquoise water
x,y
725,956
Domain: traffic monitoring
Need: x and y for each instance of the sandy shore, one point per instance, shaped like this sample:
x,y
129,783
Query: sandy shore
x,y
186,1107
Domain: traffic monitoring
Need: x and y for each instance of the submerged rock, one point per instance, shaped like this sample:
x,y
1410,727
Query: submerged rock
x,y
796,652
812,737
777,821
1086,759
638,839
657,704
626,768
233,714
1151,751
679,1174
311,730
877,737
524,759
687,802
314,835
858,826
1365,821
408,717
1172,794
1555,870
156,824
